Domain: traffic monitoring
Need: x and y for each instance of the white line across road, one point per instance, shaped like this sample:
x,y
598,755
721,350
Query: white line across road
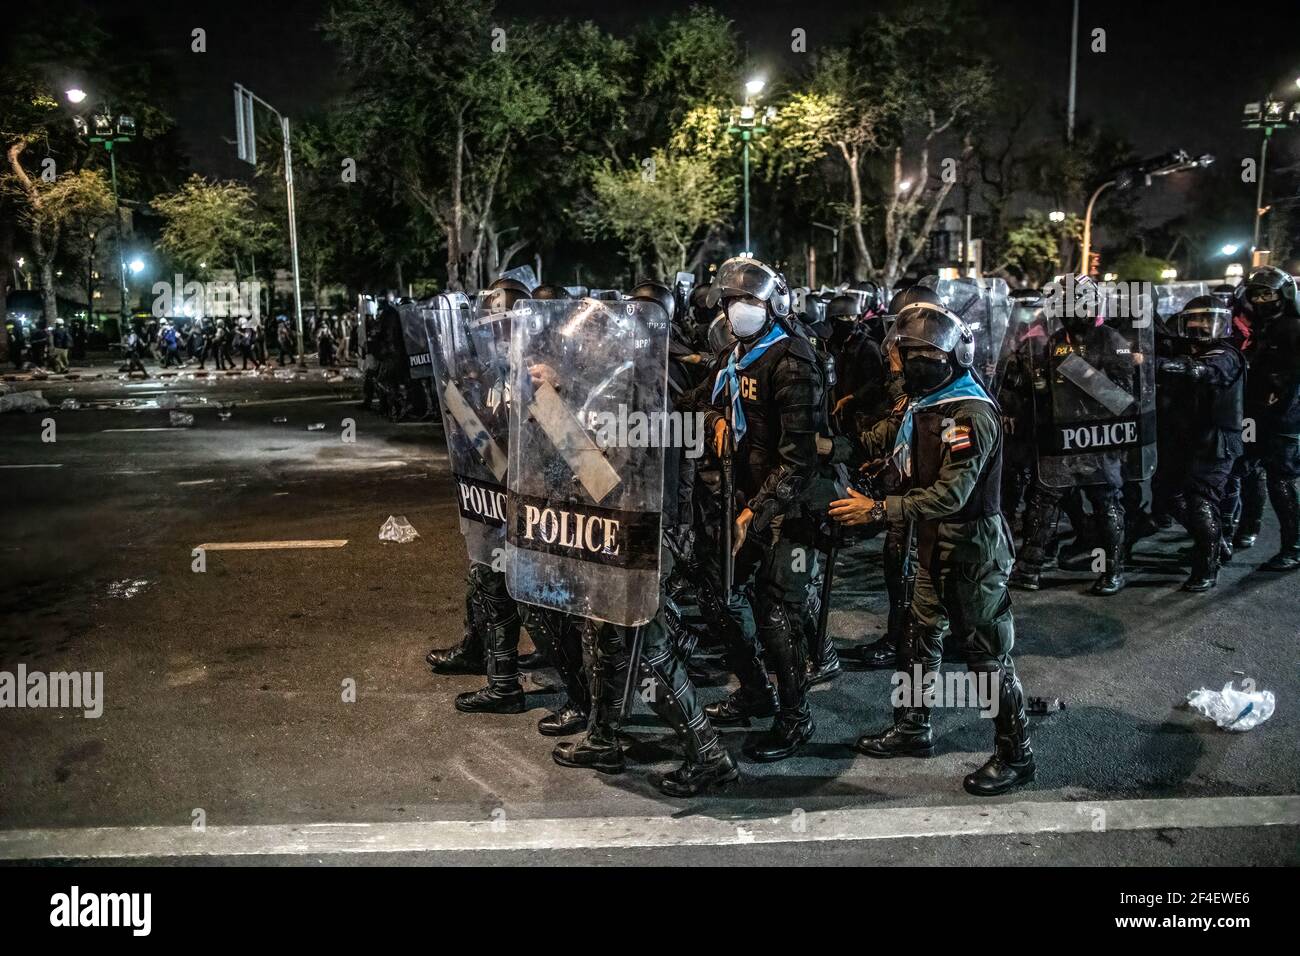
x,y
612,833
178,431
31,466
272,545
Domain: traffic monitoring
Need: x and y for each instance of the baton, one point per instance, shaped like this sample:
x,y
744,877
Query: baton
x,y
633,665
728,514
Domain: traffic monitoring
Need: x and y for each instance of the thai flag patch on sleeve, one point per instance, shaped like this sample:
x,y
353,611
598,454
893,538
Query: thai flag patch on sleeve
x,y
960,439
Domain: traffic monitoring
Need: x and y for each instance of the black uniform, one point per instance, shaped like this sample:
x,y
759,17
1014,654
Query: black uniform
x,y
1202,385
1101,475
1273,405
775,466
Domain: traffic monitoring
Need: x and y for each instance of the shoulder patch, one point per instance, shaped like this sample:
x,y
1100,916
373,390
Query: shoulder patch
x,y
961,439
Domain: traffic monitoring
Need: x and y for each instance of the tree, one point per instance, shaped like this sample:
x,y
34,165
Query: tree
x,y
212,225
52,206
663,211
881,105
1031,250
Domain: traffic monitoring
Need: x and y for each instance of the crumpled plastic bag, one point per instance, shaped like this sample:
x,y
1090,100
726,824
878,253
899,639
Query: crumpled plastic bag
x,y
181,419
23,402
398,529
1233,709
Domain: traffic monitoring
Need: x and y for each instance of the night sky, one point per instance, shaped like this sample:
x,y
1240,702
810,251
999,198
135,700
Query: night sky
x,y
1175,74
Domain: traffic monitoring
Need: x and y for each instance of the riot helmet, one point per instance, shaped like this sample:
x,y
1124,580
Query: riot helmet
x,y
505,282
1269,293
743,275
548,290
844,308
913,295
496,301
933,347
1204,319
647,290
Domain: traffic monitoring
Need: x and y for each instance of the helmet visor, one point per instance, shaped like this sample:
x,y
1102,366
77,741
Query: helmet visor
x,y
925,324
738,277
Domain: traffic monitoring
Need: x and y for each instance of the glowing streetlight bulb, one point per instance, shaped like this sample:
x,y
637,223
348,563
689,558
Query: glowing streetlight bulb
x,y
1056,215
1230,248
754,86
75,95
905,185
137,266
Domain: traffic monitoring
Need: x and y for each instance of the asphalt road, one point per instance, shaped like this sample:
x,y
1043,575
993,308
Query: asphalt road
x,y
224,689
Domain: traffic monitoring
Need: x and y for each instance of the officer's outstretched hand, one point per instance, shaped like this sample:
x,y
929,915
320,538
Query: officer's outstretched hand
x,y
841,404
742,528
856,509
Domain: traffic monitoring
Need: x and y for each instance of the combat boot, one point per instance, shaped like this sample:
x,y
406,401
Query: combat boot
x,y
1203,523
740,706
567,720
880,654
824,665
790,731
467,657
1253,493
599,751
910,736
1286,502
503,693
693,778
1110,527
1012,763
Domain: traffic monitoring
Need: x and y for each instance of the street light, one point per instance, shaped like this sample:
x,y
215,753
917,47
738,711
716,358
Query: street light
x,y
1268,114
246,148
1230,248
905,185
1056,215
1126,176
745,124
754,86
103,129
137,266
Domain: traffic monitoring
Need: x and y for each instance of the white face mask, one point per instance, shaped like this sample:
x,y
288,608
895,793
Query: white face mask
x,y
745,318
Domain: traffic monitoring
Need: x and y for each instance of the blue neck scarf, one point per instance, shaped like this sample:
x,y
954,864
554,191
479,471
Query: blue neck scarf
x,y
730,380
962,388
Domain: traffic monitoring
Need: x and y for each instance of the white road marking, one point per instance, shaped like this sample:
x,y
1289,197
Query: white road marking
x,y
272,545
31,466
606,833
200,481
176,430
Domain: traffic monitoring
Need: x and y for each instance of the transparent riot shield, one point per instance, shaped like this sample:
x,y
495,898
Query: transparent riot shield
x,y
985,306
588,430
524,274
1094,402
471,364
1172,296
415,334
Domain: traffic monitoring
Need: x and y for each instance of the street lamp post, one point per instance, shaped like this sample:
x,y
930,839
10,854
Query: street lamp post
x,y
1147,170
103,130
744,123
1267,114
246,141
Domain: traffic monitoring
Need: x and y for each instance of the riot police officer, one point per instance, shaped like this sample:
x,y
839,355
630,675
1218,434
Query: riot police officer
x,y
947,447
1203,383
1086,339
898,551
1273,404
608,648
765,400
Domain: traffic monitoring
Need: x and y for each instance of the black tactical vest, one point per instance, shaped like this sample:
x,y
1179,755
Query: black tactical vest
x,y
928,426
